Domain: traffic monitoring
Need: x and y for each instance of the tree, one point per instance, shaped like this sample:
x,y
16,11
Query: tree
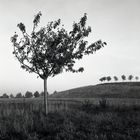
x,y
115,78
42,94
28,94
137,78
11,95
130,77
55,92
108,78
50,50
102,79
19,95
36,94
123,77
4,96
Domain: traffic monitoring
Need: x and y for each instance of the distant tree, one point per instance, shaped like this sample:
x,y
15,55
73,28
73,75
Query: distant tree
x,y
11,95
19,95
123,77
4,96
101,80
136,78
108,78
115,78
130,77
28,94
50,50
104,78
55,92
36,94
42,94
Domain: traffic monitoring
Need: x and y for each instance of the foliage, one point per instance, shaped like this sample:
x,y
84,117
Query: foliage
x,y
108,78
102,79
42,94
123,77
36,94
87,106
137,78
28,94
11,95
115,78
103,103
19,95
49,50
5,95
114,124
130,77
55,92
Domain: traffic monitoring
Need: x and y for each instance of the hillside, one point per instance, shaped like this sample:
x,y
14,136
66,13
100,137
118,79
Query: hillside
x,y
108,90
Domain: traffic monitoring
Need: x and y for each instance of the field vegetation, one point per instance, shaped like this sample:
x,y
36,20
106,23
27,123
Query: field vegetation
x,y
99,118
105,90
81,122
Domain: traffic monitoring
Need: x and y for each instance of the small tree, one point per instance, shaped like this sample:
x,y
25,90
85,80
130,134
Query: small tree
x,y
130,77
115,78
101,79
41,94
104,78
28,94
11,95
36,94
19,95
137,78
5,96
55,92
50,50
108,78
123,77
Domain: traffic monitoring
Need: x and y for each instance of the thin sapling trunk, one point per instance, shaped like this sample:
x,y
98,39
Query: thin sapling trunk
x,y
45,97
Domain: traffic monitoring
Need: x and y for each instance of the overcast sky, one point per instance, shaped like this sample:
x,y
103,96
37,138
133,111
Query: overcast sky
x,y
115,21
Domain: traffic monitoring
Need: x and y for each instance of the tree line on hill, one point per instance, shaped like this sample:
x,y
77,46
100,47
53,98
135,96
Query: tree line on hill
x,y
115,78
28,94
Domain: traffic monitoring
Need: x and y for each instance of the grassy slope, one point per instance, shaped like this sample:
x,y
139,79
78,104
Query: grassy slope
x,y
108,90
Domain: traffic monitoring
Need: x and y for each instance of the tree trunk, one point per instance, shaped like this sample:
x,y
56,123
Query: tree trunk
x,y
45,97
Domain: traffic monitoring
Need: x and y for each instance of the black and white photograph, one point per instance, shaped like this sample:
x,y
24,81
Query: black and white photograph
x,y
70,70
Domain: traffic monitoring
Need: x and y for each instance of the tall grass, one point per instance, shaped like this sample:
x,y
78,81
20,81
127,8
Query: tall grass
x,y
26,121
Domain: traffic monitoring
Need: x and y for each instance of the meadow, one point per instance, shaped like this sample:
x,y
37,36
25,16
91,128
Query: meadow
x,y
65,102
77,119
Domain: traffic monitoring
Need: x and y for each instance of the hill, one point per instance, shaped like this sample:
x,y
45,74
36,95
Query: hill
x,y
107,90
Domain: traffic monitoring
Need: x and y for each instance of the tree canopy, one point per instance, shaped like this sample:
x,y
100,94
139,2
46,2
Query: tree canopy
x,y
50,50
36,94
19,95
28,94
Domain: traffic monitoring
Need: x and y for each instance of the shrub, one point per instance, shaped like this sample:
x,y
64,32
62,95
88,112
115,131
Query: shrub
x,y
87,106
103,103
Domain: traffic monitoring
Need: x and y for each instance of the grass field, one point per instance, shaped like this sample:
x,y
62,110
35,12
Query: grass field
x,y
19,120
58,104
106,90
53,101
81,118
